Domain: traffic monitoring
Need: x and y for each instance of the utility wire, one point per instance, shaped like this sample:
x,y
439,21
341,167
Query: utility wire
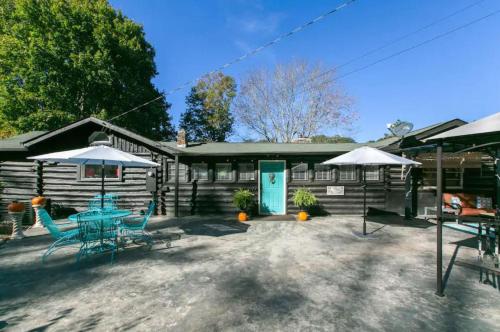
x,y
243,57
408,49
397,40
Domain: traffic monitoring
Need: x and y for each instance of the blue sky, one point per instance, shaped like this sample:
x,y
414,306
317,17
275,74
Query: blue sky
x,y
457,76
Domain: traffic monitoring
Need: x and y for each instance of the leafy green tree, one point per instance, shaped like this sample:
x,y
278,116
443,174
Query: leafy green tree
x,y
64,60
208,114
332,139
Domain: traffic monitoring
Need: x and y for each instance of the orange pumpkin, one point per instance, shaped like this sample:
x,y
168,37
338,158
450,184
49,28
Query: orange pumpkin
x,y
302,216
39,200
15,206
242,216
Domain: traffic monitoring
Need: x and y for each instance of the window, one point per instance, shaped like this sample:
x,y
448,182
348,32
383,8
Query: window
x,y
299,171
246,172
171,172
223,172
199,172
347,173
453,177
372,173
322,172
90,172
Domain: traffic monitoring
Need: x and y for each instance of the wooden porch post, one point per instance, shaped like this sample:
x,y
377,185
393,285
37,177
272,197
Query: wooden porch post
x,y
497,167
439,221
176,185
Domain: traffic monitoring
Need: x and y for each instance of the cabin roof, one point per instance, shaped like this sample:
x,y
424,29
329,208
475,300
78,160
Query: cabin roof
x,y
16,143
233,148
489,125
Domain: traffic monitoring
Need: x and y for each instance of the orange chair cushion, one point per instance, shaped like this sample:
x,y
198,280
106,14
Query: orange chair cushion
x,y
475,212
466,200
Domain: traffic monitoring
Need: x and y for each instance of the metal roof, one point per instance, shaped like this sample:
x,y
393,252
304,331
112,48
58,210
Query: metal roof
x,y
229,148
16,143
485,126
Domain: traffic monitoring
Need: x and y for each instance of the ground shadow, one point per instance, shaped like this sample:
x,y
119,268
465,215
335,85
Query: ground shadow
x,y
399,221
213,228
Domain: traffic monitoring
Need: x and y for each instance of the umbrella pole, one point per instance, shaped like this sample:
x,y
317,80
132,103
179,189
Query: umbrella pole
x,y
364,200
102,185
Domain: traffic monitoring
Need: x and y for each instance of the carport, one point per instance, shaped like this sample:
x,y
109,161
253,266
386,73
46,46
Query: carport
x,y
481,135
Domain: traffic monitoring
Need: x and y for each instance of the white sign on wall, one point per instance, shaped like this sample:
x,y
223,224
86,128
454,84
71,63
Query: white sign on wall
x,y
335,190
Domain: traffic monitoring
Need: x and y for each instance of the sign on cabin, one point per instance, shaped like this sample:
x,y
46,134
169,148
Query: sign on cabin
x,y
335,190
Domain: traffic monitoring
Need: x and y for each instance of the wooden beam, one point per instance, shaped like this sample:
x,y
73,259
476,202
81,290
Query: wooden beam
x,y
176,185
439,220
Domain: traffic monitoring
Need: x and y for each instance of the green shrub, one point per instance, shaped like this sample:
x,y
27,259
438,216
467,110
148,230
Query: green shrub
x,y
243,199
303,198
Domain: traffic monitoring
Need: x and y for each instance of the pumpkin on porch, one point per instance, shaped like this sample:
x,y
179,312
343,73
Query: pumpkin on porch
x,y
38,201
243,199
15,206
303,198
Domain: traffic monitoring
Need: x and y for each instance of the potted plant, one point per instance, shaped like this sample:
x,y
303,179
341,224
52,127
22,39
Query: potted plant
x,y
37,203
303,198
16,213
243,200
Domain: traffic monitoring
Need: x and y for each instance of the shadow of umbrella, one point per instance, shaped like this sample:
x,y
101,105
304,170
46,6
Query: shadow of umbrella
x,y
215,229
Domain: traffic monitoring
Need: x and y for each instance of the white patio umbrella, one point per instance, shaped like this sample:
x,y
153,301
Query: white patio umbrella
x,y
368,156
98,154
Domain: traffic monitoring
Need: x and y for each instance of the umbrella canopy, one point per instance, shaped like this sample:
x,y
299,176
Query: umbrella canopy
x,y
369,156
96,155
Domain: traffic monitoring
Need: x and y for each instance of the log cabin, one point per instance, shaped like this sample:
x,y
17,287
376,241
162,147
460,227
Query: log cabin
x,y
200,178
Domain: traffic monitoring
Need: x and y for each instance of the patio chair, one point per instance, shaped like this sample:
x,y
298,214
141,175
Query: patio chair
x,y
63,238
135,228
97,233
110,202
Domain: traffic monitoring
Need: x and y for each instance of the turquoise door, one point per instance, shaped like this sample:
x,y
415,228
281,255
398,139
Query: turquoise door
x,y
272,187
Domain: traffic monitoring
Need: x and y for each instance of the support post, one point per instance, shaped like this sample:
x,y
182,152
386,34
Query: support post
x,y
176,185
364,199
439,221
102,185
497,173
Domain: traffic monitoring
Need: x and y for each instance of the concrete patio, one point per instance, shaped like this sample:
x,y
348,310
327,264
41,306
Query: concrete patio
x,y
272,275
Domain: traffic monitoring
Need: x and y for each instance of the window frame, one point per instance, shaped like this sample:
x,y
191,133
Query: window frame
x,y
171,177
252,172
306,172
231,177
328,170
433,187
193,166
374,167
355,172
81,174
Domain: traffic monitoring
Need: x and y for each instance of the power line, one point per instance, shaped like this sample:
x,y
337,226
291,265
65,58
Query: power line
x,y
243,57
384,46
408,49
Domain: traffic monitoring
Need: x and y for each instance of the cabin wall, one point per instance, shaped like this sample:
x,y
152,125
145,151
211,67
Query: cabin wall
x,y
216,197
61,183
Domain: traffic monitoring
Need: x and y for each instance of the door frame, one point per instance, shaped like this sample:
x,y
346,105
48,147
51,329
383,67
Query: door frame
x,y
285,185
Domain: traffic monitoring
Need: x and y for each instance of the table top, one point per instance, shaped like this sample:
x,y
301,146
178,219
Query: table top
x,y
113,214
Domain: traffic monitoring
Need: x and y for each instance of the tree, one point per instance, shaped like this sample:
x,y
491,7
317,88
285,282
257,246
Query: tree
x,y
291,101
208,114
331,139
64,60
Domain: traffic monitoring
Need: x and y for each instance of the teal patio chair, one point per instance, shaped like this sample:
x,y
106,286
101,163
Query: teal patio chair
x,y
135,228
110,202
97,232
63,238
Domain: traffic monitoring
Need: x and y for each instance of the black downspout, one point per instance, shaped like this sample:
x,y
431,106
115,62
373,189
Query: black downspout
x,y
176,185
439,220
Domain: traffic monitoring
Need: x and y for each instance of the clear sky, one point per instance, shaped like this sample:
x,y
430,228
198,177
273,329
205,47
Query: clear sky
x,y
454,77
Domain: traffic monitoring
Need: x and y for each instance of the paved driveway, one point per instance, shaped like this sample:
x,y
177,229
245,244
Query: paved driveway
x,y
271,276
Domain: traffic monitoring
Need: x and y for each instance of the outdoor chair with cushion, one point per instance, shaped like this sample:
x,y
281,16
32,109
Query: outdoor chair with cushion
x,y
134,228
97,232
63,238
465,204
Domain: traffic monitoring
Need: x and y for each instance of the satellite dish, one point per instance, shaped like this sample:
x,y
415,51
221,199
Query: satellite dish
x,y
400,128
